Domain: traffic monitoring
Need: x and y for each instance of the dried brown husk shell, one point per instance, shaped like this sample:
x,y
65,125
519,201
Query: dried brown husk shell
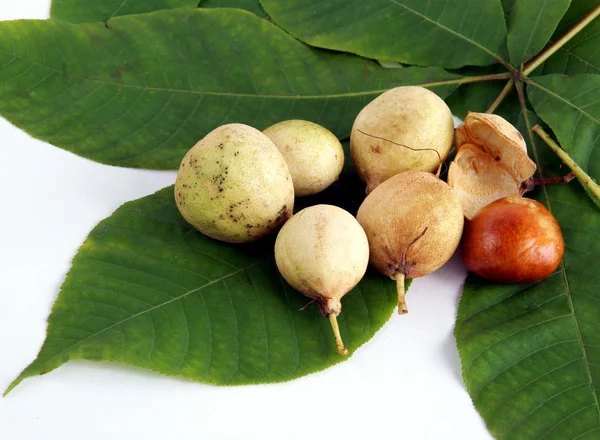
x,y
498,138
478,179
491,161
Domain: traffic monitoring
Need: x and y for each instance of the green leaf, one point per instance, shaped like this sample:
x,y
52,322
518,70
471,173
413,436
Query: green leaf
x,y
445,33
85,11
249,5
577,10
578,55
531,25
143,91
570,106
147,290
530,353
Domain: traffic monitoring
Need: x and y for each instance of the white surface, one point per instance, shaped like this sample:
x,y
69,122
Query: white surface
x,y
403,384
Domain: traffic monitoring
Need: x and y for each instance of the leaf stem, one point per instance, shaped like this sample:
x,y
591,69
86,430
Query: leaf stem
x,y
490,77
402,309
584,178
550,50
341,350
470,79
505,91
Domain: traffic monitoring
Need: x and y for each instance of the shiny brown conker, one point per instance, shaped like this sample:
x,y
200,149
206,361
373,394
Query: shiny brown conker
x,y
513,240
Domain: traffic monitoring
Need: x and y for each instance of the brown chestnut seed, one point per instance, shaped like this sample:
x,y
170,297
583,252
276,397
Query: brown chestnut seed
x,y
513,240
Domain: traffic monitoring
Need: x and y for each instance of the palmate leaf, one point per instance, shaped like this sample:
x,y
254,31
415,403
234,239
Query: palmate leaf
x,y
83,11
445,33
570,105
578,55
147,290
531,25
143,90
531,353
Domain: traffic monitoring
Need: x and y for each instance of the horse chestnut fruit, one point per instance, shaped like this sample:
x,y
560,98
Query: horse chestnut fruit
x,y
513,240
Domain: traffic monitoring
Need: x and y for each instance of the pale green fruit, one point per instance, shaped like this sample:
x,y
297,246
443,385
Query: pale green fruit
x,y
314,155
414,222
323,252
234,185
406,128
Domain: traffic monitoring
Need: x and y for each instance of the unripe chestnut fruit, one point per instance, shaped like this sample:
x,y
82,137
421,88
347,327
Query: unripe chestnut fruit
x,y
513,240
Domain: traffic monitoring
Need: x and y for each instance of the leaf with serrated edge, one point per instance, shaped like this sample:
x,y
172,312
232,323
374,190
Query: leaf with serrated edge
x,y
570,105
147,290
431,33
142,92
85,11
530,352
531,25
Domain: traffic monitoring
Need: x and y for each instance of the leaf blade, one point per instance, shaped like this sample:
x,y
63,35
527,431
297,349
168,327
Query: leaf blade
x,y
579,54
249,5
116,98
434,33
531,25
77,11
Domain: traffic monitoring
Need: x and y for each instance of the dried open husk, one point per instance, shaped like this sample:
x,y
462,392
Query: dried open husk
x,y
491,161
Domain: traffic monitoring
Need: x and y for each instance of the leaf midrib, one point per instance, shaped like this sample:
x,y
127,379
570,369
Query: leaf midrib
x,y
563,269
117,10
537,21
238,95
560,98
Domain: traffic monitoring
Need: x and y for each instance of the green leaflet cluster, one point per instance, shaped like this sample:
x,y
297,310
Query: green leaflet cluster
x,y
137,83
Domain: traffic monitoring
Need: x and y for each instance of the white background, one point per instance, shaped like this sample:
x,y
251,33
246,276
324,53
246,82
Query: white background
x,y
404,384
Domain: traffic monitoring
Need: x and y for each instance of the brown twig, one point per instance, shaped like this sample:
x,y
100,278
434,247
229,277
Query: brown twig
x,y
505,91
532,182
